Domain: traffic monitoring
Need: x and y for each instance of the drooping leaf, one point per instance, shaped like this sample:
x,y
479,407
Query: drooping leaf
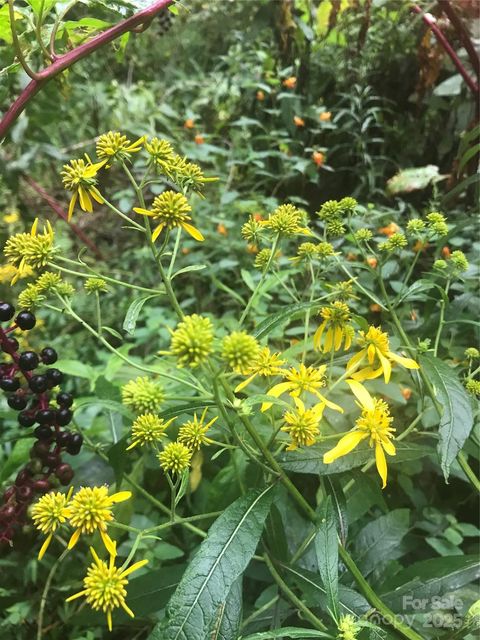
x,y
133,312
457,418
296,633
326,547
222,558
413,179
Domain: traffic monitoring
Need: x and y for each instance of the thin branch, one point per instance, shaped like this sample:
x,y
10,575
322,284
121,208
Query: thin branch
x,y
78,53
463,34
16,43
430,21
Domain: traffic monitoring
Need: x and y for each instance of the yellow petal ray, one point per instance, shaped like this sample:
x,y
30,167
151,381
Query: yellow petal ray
x,y
134,444
143,212
328,341
120,496
348,341
328,403
75,596
344,446
110,545
71,206
408,363
381,463
317,336
245,383
109,620
298,403
338,338
157,231
96,195
74,539
386,366
361,394
193,231
33,230
95,556
355,360
389,446
134,567
368,373
371,351
127,609
276,391
44,546
85,201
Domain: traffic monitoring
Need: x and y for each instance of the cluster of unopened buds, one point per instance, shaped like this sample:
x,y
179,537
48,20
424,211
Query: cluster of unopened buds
x,y
30,393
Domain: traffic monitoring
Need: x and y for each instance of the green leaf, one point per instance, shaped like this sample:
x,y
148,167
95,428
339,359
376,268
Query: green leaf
x,y
326,548
133,312
173,412
247,278
288,632
36,5
457,418
430,578
286,314
335,491
192,267
222,558
5,29
230,615
104,403
413,179
77,369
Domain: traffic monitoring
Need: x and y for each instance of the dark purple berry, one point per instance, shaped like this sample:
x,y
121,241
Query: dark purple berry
x,y
42,486
38,384
12,345
28,361
35,466
17,402
75,444
63,438
25,419
65,399
52,460
24,493
45,416
9,384
6,311
64,416
9,493
43,432
41,448
64,473
9,511
48,355
23,477
26,320
55,377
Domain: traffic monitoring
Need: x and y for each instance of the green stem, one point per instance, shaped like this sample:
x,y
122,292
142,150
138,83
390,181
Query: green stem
x,y
307,314
99,313
309,615
443,304
407,278
463,462
123,216
46,589
175,252
121,283
256,291
16,43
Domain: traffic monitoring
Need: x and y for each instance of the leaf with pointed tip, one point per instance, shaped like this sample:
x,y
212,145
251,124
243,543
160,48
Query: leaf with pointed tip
x,y
133,312
326,548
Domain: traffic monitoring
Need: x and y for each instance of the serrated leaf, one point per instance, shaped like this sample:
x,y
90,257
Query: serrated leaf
x,y
287,313
457,418
222,558
133,312
326,548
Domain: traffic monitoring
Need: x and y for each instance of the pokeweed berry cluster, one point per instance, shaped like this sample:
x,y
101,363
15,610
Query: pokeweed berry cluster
x,y
28,379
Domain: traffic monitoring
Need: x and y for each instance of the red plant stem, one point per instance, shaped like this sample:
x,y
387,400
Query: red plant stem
x,y
56,206
430,21
463,34
78,53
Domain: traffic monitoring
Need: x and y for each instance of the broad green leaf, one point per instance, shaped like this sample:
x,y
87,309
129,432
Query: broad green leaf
x,y
37,4
287,313
247,278
310,459
380,540
222,558
296,633
457,418
5,29
430,579
229,618
326,548
77,369
339,504
133,312
109,405
413,179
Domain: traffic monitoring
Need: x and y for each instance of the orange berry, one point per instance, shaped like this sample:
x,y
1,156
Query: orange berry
x,y
420,245
257,217
372,262
446,251
325,116
189,123
318,157
290,83
351,257
260,95
252,248
222,229
375,308
406,393
299,122
185,250
390,229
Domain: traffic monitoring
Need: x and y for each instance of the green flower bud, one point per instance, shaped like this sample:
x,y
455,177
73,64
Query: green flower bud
x,y
143,395
192,341
239,350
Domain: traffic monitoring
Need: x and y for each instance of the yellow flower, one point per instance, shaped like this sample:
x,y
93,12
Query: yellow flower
x,y
50,513
336,321
80,178
148,428
264,364
302,380
374,423
376,348
11,218
104,586
287,220
90,510
290,83
239,350
171,209
193,433
325,116
302,424
175,457
113,145
27,251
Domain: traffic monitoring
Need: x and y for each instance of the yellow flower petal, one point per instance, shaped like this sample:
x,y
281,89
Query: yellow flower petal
x,y
355,360
74,539
44,546
338,338
71,206
408,363
388,446
127,609
157,231
194,232
143,212
121,496
96,195
328,403
110,545
361,394
386,366
276,391
134,567
75,596
344,446
85,201
245,383
381,463
317,337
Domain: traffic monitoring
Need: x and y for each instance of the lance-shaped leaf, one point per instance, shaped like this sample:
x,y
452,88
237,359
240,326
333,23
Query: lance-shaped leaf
x,y
196,606
326,547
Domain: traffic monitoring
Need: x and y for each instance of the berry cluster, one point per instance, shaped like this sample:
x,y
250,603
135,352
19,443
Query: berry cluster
x,y
29,393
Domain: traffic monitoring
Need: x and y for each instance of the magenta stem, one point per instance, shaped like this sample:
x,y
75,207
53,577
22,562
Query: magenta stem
x,y
78,53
